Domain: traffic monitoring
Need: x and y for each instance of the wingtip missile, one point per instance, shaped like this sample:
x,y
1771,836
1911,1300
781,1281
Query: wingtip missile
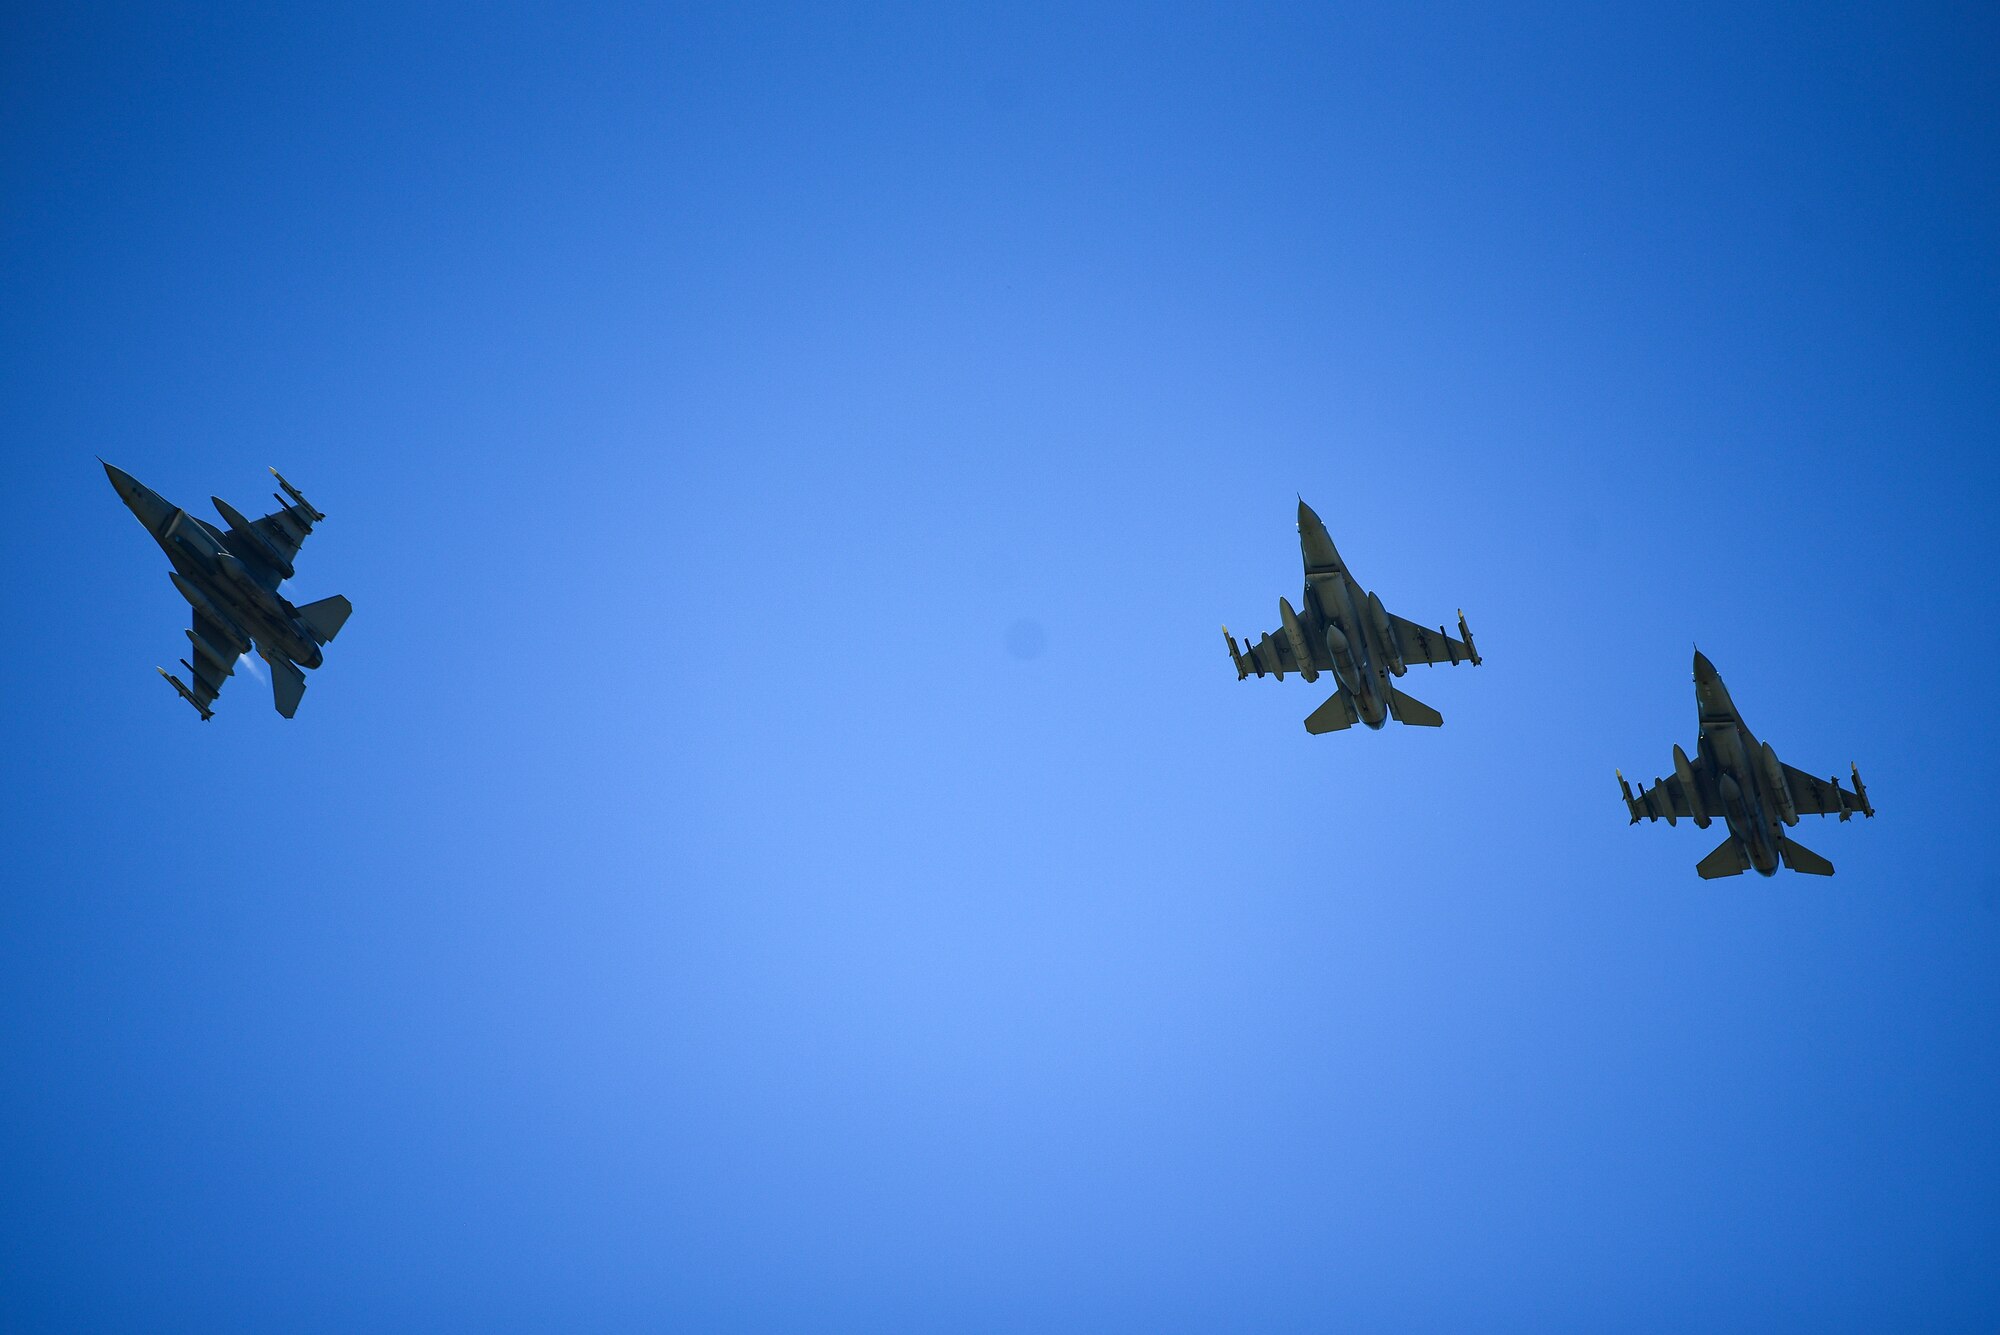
x,y
1867,808
186,694
297,497
1631,804
1465,633
1235,654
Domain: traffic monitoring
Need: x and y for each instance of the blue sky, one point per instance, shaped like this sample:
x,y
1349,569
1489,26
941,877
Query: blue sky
x,y
780,846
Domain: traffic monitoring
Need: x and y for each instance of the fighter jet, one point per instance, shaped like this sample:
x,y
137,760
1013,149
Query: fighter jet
x,y
231,579
1344,629
1735,776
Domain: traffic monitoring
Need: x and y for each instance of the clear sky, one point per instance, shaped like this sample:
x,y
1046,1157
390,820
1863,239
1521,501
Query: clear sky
x,y
780,846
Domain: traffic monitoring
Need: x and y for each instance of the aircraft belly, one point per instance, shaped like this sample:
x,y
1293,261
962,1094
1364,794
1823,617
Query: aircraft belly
x,y
1372,700
268,632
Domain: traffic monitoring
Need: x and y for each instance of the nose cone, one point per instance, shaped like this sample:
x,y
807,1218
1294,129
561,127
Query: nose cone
x,y
122,482
1709,692
140,499
1315,545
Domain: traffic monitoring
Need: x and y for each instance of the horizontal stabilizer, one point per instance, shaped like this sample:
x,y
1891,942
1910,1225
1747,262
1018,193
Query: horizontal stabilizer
x,y
1338,712
1800,858
288,684
1408,709
1728,859
325,617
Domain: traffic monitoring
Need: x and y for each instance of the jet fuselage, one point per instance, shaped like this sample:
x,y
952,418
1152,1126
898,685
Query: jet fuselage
x,y
1750,807
1334,615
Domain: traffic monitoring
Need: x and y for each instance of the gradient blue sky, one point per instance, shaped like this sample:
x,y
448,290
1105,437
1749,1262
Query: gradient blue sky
x,y
780,847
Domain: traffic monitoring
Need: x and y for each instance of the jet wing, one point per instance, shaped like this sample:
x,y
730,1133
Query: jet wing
x,y
1666,800
1273,653
1823,797
286,529
268,545
1423,644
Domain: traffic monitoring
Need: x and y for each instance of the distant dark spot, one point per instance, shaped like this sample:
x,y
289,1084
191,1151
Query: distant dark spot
x,y
1026,639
